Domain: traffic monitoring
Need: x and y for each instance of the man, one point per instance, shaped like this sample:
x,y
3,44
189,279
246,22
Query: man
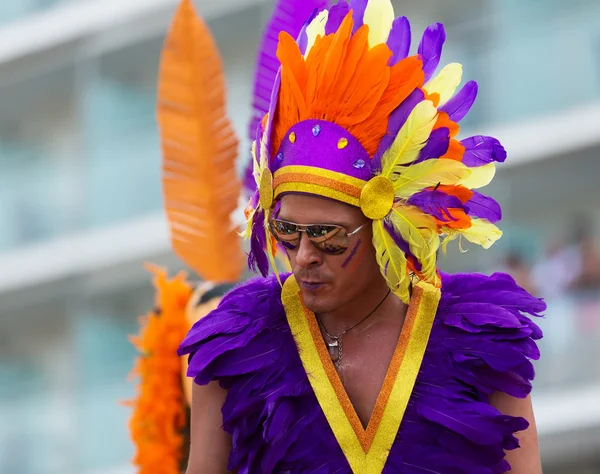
x,y
366,358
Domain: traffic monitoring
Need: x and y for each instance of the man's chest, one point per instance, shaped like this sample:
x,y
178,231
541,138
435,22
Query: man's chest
x,y
364,369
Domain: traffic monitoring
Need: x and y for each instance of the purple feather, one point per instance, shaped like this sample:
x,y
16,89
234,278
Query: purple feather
x,y
288,16
249,181
337,13
257,257
358,8
459,105
397,119
430,48
436,203
480,150
484,207
302,36
399,39
436,146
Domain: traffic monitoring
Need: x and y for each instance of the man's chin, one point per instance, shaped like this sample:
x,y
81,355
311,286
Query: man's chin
x,y
316,304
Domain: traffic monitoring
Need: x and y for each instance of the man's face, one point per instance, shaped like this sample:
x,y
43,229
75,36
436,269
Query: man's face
x,y
330,282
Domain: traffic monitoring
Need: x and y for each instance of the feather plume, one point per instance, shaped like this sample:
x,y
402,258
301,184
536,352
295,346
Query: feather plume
x,y
379,15
479,177
445,83
484,207
481,232
158,421
410,140
436,146
288,16
344,82
430,48
199,147
399,39
392,261
429,173
461,103
420,232
358,8
480,150
316,29
337,13
257,257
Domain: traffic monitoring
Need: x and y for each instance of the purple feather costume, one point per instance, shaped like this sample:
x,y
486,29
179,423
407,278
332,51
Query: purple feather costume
x,y
482,341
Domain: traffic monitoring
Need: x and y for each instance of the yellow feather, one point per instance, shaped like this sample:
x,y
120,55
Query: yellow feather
x,y
482,233
445,83
247,233
429,173
270,250
316,28
411,138
379,15
392,262
479,177
420,232
255,164
264,154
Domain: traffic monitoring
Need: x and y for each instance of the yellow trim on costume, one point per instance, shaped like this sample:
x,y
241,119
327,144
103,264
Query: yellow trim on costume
x,y
318,190
312,170
365,450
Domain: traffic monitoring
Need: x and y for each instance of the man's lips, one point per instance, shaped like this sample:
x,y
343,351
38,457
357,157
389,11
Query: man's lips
x,y
311,284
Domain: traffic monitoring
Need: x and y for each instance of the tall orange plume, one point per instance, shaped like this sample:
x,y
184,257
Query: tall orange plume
x,y
158,424
343,81
199,145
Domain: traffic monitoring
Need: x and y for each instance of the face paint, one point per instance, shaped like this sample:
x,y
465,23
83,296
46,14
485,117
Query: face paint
x,y
352,253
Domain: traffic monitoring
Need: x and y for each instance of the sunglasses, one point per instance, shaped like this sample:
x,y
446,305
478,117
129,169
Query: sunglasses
x,y
328,238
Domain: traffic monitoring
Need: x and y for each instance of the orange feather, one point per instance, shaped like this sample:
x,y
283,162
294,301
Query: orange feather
x,y
343,81
199,146
456,150
445,121
461,192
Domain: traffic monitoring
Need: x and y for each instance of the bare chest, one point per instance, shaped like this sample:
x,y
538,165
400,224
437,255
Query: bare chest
x,y
364,368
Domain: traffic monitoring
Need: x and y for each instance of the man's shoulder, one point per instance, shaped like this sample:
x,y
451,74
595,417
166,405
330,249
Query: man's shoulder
x,y
485,325
241,314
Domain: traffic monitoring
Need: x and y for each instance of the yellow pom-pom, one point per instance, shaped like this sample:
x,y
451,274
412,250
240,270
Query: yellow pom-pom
x,y
377,198
266,189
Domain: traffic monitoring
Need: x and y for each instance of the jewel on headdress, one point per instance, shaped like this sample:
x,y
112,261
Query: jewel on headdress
x,y
280,156
316,130
343,143
292,137
359,164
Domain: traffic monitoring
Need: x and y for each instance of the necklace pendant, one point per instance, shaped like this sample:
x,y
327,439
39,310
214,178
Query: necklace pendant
x,y
332,347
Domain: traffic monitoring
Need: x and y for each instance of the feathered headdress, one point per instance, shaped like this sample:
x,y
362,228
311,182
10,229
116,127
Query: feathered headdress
x,y
353,117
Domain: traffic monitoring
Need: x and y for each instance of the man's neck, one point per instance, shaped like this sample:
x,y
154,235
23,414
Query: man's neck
x,y
357,309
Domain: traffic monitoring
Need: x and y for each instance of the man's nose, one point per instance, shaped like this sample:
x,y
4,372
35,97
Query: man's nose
x,y
307,255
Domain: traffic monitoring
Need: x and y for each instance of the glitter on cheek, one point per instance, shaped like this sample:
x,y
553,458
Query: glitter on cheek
x,y
352,253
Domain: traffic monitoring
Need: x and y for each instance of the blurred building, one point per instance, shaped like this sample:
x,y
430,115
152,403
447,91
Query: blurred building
x,y
80,202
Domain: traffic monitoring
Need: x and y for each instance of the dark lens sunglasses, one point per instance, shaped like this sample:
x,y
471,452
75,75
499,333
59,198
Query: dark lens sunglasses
x,y
328,238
